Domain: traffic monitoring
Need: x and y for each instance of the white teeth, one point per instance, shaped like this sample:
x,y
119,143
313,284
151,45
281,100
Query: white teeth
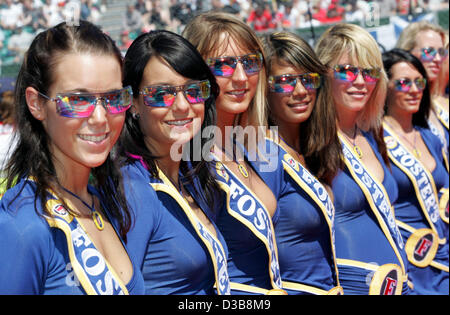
x,y
179,122
93,138
236,92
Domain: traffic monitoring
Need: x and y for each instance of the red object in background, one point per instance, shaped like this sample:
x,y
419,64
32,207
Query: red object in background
x,y
332,14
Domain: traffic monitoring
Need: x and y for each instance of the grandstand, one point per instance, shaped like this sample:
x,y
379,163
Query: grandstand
x,y
21,20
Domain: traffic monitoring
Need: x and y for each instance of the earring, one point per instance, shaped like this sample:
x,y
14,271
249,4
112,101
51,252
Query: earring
x,y
135,116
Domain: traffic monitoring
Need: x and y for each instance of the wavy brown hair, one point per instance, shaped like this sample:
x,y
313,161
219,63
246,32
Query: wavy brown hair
x,y
319,143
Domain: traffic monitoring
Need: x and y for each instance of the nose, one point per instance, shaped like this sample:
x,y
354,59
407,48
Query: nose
x,y
239,73
413,88
438,58
180,103
100,112
359,79
300,89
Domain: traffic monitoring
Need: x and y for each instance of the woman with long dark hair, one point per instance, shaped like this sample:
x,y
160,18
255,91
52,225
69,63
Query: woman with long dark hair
x,y
418,169
169,184
309,154
64,218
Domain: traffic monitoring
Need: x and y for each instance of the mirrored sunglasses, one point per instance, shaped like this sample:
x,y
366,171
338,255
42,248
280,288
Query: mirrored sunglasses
x,y
404,85
225,66
349,73
164,95
82,105
429,53
286,83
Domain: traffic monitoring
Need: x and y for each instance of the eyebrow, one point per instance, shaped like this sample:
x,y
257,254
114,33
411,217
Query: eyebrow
x,y
86,91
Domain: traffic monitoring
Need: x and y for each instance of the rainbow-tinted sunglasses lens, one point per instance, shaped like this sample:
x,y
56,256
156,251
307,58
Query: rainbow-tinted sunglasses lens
x,y
404,85
429,53
225,66
349,73
286,83
81,105
164,95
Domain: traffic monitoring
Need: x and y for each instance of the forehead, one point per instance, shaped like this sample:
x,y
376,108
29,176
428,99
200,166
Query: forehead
x,y
229,46
86,72
279,67
428,38
404,70
159,72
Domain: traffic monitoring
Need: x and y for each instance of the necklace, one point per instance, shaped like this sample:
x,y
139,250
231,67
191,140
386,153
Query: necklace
x,y
415,151
96,216
356,148
242,169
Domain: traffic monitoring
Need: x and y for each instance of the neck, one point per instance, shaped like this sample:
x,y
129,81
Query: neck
x,y
347,122
170,168
399,120
291,135
76,180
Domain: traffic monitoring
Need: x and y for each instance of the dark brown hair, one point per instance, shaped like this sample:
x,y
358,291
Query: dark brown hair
x,y
32,157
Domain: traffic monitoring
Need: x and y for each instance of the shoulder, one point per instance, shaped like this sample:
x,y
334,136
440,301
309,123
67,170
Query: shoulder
x,y
19,212
26,242
139,192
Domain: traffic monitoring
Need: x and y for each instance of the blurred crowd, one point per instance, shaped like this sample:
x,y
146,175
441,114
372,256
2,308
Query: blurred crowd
x,y
21,20
266,15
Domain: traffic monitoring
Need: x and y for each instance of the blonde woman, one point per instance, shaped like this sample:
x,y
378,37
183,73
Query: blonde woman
x,y
235,56
429,43
369,247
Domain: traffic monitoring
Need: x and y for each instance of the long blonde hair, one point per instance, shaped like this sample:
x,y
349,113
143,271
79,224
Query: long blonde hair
x,y
361,47
204,32
408,37
408,41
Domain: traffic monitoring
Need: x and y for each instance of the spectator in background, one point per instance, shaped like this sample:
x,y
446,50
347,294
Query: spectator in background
x,y
32,16
6,126
10,15
19,43
52,12
132,19
158,19
260,18
144,7
125,41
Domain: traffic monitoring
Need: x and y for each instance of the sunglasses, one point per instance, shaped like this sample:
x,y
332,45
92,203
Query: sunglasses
x,y
164,95
404,85
286,83
349,73
225,66
81,105
428,54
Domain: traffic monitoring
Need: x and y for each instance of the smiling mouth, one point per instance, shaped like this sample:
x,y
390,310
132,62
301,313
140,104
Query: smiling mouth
x,y
302,104
92,138
357,93
237,92
179,122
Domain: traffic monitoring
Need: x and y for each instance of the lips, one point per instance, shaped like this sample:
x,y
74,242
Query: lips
x,y
237,93
179,122
93,138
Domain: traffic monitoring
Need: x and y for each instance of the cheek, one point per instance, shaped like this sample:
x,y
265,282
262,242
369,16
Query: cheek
x,y
116,124
337,91
151,121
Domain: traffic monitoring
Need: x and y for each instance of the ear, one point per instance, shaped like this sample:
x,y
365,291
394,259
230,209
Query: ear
x,y
34,103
